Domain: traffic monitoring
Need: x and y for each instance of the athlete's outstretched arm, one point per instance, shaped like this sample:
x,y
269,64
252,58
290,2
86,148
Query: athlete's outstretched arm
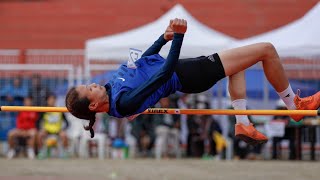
x,y
162,40
156,46
130,101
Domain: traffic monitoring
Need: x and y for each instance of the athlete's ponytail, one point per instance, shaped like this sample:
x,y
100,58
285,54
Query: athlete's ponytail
x,y
79,107
89,128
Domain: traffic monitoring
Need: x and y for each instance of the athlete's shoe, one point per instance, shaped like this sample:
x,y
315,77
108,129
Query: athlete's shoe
x,y
307,103
249,134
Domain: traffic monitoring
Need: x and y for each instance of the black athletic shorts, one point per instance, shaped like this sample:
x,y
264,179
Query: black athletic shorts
x,y
199,74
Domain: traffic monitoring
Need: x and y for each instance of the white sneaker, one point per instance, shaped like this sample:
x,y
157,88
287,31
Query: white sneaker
x,y
30,153
11,153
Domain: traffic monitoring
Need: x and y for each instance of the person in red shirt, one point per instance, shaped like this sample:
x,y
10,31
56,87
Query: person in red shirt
x,y
25,128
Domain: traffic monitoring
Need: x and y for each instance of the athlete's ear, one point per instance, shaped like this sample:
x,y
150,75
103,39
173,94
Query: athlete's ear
x,y
93,106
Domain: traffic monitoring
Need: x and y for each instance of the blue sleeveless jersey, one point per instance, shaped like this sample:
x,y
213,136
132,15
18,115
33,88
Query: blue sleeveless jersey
x,y
126,79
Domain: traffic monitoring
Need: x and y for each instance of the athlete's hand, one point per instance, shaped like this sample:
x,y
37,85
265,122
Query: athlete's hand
x,y
168,34
179,26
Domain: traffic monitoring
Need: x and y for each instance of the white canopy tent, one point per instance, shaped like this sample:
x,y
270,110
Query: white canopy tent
x,y
199,39
298,39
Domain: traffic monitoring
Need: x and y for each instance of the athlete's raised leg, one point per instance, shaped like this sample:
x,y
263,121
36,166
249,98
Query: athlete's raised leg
x,y
239,59
235,61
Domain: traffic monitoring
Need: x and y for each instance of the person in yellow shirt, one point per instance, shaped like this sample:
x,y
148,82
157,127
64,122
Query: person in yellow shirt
x,y
52,123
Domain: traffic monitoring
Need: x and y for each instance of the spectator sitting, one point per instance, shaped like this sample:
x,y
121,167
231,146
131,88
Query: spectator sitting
x,y
25,128
14,93
143,132
198,125
167,128
216,140
289,134
38,92
101,140
52,123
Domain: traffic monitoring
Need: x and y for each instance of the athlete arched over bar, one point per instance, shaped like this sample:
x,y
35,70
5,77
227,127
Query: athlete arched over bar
x,y
132,91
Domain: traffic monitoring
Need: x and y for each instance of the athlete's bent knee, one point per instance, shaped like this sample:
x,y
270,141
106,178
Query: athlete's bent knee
x,y
268,48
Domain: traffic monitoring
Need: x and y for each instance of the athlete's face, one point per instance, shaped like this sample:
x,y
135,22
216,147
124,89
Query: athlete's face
x,y
96,94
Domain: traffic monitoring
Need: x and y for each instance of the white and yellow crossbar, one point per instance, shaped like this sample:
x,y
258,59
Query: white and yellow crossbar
x,y
177,111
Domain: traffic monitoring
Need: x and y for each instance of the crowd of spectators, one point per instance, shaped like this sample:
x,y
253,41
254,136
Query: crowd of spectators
x,y
24,130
